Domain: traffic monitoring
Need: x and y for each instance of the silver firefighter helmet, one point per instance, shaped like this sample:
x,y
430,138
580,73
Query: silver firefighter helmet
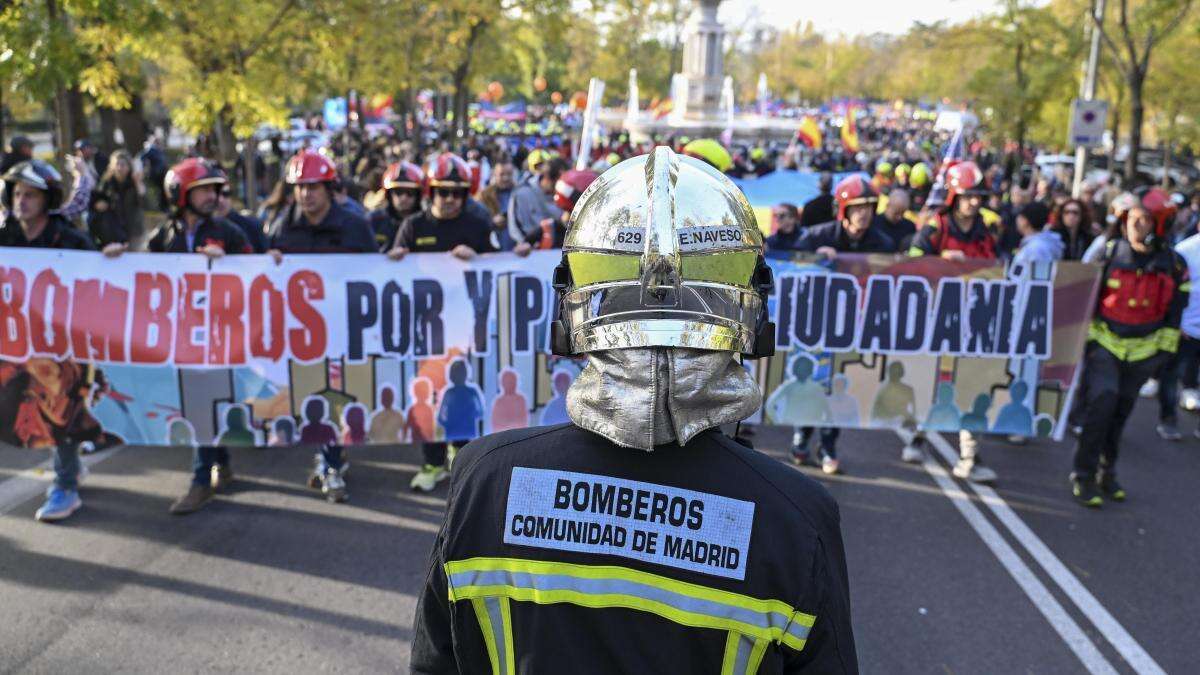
x,y
662,250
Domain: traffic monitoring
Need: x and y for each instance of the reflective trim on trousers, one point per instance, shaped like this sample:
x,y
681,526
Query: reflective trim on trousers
x,y
496,623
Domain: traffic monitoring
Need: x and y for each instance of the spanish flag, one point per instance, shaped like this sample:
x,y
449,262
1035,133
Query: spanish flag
x,y
809,133
849,132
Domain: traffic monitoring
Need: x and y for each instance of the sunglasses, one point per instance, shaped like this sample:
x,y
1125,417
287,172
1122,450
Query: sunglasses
x,y
447,193
782,214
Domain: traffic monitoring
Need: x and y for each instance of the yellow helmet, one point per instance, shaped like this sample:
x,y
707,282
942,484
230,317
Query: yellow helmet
x,y
662,250
710,151
536,158
919,176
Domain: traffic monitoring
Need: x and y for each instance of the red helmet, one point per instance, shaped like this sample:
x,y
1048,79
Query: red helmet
x,y
570,186
308,166
852,191
1161,208
190,173
403,176
449,170
964,178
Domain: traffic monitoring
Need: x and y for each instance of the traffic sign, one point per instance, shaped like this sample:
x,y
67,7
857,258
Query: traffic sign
x,y
1088,121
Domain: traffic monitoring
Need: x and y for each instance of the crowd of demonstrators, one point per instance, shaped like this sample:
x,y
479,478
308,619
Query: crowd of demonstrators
x,y
510,191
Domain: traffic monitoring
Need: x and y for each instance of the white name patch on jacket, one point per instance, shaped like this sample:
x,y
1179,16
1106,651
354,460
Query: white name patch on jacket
x,y
669,526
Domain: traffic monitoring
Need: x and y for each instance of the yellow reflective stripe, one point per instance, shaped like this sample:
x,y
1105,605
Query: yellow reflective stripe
x,y
612,586
1133,348
1113,283
627,574
743,654
510,662
915,251
597,268
732,640
1185,287
489,639
756,655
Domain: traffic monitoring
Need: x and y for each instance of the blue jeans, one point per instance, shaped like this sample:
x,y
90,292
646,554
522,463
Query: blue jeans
x,y
203,459
1183,368
66,466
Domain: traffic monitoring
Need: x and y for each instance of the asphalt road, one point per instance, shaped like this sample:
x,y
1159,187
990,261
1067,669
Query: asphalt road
x,y
272,579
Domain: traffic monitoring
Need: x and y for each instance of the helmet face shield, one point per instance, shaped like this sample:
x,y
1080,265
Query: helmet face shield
x,y
662,251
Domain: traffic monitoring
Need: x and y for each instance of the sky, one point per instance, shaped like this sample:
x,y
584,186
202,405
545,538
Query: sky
x,y
853,17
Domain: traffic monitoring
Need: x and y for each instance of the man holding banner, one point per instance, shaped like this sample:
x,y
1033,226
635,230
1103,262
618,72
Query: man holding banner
x,y
192,188
852,232
957,232
669,546
32,192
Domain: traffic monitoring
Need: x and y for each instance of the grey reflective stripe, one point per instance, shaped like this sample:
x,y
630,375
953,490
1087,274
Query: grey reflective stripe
x,y
798,630
587,586
741,660
496,618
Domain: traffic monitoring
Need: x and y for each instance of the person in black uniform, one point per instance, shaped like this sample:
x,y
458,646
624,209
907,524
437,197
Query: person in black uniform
x,y
317,224
852,232
637,538
446,225
402,185
192,188
32,192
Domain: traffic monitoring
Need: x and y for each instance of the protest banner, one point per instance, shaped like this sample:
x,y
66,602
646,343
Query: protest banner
x,y
178,350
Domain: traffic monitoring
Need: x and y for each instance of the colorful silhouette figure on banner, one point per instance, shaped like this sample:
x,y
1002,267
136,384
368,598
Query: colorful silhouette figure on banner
x,y
976,421
799,400
895,403
555,411
1044,425
237,431
510,410
387,423
1015,418
461,409
283,432
843,408
316,429
421,428
180,432
354,424
944,415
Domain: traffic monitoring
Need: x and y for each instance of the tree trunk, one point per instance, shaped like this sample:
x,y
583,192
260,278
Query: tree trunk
x,y
79,125
226,145
1137,112
1166,159
108,127
132,123
461,72
251,179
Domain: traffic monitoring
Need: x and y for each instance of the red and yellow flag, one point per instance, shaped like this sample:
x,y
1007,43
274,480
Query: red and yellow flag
x,y
849,132
809,133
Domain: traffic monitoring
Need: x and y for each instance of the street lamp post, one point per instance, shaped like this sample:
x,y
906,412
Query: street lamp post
x,y
1087,91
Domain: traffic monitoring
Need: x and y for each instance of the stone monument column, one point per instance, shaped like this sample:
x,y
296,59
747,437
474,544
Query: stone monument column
x,y
704,58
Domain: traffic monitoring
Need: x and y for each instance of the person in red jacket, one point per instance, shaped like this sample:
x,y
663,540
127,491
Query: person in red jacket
x,y
1143,291
956,233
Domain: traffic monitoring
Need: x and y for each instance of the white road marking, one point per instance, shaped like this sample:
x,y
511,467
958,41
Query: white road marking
x,y
1113,631
32,482
1062,623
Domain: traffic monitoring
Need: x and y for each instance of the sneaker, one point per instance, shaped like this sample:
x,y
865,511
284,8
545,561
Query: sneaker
x,y
1189,399
195,499
333,486
1110,488
60,504
911,454
315,479
1086,493
829,465
222,476
428,478
973,471
799,455
1168,431
1150,389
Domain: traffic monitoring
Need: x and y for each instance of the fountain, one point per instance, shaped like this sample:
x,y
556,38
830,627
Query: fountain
x,y
702,95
